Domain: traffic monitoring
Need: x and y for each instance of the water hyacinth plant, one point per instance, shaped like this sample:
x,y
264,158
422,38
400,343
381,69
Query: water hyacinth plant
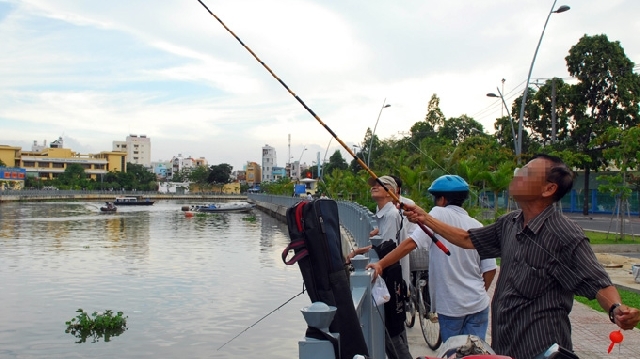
x,y
97,325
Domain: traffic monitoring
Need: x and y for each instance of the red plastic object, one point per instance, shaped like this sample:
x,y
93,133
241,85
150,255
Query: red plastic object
x,y
616,337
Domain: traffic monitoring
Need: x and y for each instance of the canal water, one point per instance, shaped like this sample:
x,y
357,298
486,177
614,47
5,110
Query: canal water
x,y
187,285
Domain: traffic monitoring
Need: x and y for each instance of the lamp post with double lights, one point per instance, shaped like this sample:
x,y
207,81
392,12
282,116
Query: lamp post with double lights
x,y
374,131
513,132
561,9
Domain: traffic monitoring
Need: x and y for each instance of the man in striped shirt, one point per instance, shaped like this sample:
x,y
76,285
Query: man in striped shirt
x,y
545,260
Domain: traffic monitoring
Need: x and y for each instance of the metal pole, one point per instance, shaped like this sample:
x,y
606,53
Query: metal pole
x,y
526,88
374,131
513,132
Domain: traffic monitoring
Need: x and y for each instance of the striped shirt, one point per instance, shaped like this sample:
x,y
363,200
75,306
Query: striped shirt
x,y
542,266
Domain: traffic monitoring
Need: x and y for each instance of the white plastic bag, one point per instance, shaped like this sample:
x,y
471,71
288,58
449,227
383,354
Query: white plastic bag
x,y
380,292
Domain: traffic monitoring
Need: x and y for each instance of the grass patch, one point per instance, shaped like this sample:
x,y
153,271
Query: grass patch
x,y
629,298
610,238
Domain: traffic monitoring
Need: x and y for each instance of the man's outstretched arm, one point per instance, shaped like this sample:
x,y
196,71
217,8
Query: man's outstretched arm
x,y
454,235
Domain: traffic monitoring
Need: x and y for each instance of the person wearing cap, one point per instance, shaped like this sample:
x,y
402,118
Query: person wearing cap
x,y
458,283
407,227
545,260
388,219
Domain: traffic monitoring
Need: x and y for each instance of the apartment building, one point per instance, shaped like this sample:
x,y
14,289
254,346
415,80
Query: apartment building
x,y
138,149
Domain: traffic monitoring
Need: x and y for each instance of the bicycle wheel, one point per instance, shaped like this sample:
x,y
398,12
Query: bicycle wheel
x,y
428,320
410,307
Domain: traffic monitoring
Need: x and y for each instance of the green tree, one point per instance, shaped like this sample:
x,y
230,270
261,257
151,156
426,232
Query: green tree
x,y
282,187
180,176
457,129
336,162
541,124
220,174
2,164
607,95
73,177
498,181
435,118
626,157
200,176
138,177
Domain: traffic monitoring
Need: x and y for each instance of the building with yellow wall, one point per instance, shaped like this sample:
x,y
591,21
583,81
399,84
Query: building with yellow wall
x,y
253,173
10,155
49,163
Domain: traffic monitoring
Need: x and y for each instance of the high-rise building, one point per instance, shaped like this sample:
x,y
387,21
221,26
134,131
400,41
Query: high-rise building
x,y
138,149
268,163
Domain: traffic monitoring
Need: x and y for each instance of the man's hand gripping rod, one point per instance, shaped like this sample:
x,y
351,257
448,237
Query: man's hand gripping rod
x,y
360,162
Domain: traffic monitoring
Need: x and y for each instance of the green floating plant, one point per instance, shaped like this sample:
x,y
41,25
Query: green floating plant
x,y
249,218
97,325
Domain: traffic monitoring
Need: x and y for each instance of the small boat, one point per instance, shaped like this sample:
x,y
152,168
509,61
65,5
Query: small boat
x,y
133,201
109,207
220,207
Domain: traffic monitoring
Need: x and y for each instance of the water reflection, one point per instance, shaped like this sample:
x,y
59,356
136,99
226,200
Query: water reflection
x,y
187,285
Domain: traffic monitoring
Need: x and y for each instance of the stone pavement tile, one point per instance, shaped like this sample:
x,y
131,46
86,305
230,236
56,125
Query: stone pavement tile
x,y
590,335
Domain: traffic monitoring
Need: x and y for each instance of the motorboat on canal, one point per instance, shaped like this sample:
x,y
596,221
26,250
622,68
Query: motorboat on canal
x,y
132,201
109,207
220,207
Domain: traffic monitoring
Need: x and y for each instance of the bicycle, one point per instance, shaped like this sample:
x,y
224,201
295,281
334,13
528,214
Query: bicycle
x,y
420,300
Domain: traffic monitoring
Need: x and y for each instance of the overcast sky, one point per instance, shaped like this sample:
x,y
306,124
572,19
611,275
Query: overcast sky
x,y
95,71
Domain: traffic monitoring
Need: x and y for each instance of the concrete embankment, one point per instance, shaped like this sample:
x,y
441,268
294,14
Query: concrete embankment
x,y
45,196
274,210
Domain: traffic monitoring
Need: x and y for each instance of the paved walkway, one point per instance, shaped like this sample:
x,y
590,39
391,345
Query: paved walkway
x,y
590,328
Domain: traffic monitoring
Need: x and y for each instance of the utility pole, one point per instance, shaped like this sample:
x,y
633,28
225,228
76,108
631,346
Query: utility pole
x,y
501,112
553,110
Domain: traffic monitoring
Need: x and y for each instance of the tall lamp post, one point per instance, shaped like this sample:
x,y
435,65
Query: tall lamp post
x,y
562,8
299,172
513,132
374,130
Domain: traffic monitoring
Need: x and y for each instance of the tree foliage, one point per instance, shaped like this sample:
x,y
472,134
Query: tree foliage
x,y
220,174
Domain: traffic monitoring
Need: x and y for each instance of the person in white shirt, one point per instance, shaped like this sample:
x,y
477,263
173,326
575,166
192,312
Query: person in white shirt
x,y
389,222
458,283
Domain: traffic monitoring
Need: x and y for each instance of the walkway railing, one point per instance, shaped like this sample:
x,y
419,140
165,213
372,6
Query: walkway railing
x,y
358,221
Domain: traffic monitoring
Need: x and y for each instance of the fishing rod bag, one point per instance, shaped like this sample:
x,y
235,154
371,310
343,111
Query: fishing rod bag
x,y
314,230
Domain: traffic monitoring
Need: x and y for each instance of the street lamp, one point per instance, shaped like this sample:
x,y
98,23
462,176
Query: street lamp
x,y
513,133
562,8
321,170
374,130
299,172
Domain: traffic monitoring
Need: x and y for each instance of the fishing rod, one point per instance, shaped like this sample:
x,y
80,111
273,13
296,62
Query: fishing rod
x,y
360,162
259,320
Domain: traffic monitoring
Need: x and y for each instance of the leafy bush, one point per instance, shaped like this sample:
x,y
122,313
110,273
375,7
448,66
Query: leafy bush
x,y
97,325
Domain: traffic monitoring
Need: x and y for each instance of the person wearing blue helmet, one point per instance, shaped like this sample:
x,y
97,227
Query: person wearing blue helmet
x,y
546,260
458,283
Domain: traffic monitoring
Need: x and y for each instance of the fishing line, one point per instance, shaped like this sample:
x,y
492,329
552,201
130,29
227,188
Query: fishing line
x,y
259,320
360,162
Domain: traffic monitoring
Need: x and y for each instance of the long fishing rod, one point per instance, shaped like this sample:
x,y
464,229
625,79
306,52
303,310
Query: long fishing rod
x,y
259,320
360,162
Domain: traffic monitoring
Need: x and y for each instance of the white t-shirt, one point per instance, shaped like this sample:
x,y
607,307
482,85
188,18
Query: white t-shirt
x,y
388,220
455,282
407,228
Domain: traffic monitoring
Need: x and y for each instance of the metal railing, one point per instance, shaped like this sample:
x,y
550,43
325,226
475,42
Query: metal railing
x,y
358,221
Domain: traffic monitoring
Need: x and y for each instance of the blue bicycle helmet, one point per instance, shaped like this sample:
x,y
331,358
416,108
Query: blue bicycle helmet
x,y
449,183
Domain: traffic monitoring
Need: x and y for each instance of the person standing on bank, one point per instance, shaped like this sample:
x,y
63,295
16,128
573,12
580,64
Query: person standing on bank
x,y
389,220
407,227
458,283
545,260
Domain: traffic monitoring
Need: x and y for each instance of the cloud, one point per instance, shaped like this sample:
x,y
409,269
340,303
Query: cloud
x,y
98,71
